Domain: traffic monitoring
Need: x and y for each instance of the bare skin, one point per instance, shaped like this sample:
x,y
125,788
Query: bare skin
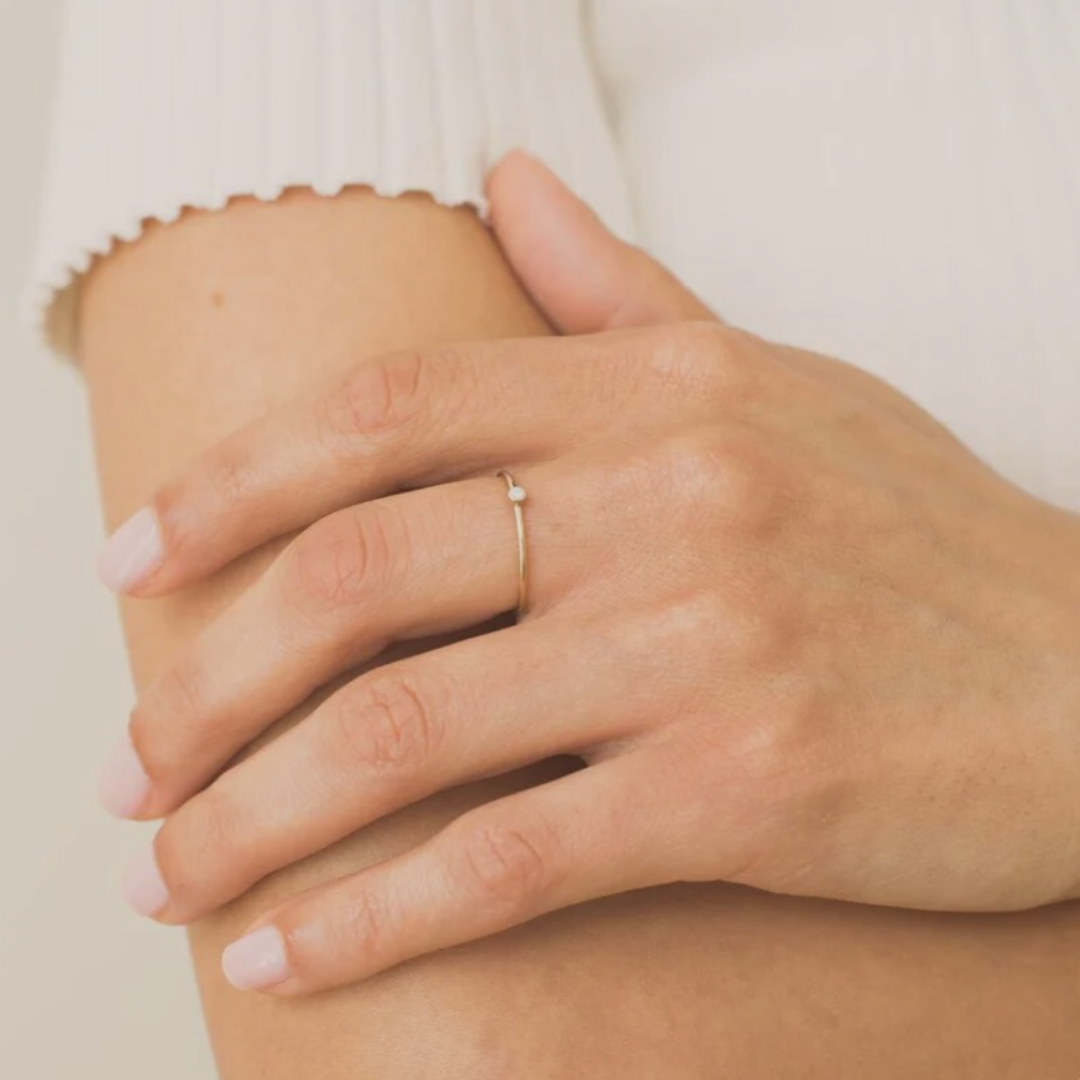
x,y
205,325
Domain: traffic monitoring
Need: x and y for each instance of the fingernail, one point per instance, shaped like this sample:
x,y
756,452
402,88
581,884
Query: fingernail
x,y
257,960
132,553
144,888
122,783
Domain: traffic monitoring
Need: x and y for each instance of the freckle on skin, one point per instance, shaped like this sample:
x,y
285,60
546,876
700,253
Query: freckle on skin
x,y
217,298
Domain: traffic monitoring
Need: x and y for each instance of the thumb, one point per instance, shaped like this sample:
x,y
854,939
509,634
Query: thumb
x,y
583,277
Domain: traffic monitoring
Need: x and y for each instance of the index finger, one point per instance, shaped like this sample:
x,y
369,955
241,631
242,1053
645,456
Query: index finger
x,y
401,420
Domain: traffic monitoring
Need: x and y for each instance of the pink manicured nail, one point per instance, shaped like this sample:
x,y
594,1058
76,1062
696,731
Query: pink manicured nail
x,y
257,960
144,888
132,553
122,783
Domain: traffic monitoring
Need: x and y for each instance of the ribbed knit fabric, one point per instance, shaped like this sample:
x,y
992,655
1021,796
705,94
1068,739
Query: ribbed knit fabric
x,y
896,182
167,104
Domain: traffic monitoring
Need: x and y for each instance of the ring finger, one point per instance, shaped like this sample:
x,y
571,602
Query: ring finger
x,y
404,420
401,732
410,566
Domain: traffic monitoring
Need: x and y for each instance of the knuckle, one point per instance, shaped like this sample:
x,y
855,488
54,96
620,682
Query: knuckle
x,y
204,840
342,559
702,360
703,463
143,735
759,634
730,477
706,337
507,862
227,476
231,473
379,395
386,725
365,923
164,718
184,688
173,715
774,751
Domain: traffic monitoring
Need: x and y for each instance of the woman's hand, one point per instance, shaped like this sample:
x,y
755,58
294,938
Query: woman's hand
x,y
801,637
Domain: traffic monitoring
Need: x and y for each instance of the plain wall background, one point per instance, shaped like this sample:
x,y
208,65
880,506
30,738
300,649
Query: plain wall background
x,y
87,990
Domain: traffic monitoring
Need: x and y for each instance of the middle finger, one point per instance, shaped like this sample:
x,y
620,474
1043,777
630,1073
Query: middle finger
x,y
410,566
475,708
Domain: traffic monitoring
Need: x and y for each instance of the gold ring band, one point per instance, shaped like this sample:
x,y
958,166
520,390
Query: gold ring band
x,y
516,494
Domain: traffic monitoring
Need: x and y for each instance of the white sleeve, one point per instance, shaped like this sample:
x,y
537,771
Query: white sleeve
x,y
168,104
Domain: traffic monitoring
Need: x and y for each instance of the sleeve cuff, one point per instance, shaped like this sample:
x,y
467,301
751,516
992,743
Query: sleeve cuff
x,y
165,105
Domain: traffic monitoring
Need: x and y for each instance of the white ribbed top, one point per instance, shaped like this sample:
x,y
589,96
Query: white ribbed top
x,y
896,182
167,104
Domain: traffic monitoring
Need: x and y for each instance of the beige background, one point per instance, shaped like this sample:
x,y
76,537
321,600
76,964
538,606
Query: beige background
x,y
86,990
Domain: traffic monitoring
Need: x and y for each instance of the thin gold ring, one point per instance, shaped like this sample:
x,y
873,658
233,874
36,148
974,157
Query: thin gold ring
x,y
516,494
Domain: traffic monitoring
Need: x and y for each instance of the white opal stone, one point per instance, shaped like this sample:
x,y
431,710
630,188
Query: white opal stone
x,y
516,494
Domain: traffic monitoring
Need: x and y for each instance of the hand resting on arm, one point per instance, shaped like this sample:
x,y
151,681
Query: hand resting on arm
x,y
756,575
180,349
